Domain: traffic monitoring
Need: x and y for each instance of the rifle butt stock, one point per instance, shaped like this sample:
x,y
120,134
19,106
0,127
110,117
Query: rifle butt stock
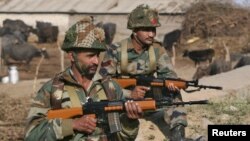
x,y
67,113
124,83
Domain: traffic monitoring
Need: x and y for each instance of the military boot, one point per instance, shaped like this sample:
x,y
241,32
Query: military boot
x,y
177,133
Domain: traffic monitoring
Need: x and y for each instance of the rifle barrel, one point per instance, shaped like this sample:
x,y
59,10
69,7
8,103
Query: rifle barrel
x,y
191,102
162,103
210,87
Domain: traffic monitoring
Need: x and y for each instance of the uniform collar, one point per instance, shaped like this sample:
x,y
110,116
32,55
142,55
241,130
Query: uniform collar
x,y
130,46
68,77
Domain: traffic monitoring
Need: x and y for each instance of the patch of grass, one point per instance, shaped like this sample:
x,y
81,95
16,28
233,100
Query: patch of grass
x,y
231,109
235,109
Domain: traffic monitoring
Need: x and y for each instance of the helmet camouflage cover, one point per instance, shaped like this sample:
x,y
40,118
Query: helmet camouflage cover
x,y
143,16
84,35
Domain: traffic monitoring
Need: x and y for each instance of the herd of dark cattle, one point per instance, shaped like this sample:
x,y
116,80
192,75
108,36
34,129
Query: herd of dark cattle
x,y
14,40
15,46
210,65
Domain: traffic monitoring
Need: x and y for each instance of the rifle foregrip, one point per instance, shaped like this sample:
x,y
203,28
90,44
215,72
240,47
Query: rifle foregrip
x,y
124,83
113,108
177,83
147,104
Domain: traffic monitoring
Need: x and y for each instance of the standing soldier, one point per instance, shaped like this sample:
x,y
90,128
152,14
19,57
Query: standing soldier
x,y
83,43
142,55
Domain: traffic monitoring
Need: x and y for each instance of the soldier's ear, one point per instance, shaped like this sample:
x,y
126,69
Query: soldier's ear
x,y
71,57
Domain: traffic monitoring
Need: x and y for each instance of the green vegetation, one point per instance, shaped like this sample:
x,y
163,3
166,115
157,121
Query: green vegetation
x,y
228,110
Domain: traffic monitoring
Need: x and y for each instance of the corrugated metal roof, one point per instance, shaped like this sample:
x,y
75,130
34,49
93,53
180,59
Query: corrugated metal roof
x,y
91,6
164,6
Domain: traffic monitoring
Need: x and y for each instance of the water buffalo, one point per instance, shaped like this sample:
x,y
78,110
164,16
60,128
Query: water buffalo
x,y
201,71
200,55
171,38
8,40
217,66
109,29
46,32
18,26
22,53
245,60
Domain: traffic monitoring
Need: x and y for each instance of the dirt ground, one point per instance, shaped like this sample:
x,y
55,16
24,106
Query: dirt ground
x,y
228,106
26,87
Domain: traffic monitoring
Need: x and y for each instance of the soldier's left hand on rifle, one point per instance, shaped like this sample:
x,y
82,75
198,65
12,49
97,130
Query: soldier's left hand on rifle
x,y
173,88
133,110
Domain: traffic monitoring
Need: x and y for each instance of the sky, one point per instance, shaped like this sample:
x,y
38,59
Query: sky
x,y
243,2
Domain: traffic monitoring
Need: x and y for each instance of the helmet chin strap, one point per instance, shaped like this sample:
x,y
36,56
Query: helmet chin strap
x,y
138,40
79,67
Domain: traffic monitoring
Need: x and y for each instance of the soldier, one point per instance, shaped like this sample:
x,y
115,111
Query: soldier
x,y
141,54
71,88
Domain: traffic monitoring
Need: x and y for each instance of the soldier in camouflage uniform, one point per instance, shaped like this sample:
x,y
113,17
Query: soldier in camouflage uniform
x,y
71,88
141,54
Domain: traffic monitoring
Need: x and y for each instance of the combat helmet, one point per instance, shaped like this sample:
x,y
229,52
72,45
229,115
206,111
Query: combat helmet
x,y
143,16
84,35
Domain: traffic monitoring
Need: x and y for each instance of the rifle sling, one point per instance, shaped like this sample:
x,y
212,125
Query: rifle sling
x,y
75,102
105,93
124,58
114,117
56,96
152,59
97,75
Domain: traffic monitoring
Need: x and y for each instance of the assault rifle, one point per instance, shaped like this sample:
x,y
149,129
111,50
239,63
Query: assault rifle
x,y
98,109
154,82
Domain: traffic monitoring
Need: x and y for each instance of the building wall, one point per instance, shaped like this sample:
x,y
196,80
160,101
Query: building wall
x,y
63,21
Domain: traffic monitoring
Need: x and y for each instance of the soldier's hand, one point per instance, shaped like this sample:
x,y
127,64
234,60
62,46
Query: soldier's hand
x,y
85,124
139,92
133,110
173,88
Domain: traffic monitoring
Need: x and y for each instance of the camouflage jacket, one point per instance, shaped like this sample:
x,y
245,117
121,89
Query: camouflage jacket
x,y
41,128
138,64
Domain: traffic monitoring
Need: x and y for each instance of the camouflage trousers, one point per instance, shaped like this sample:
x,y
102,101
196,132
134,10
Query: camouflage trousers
x,y
170,117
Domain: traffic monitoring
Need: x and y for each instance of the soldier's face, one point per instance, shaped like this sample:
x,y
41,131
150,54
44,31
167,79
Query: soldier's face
x,y
88,61
146,34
